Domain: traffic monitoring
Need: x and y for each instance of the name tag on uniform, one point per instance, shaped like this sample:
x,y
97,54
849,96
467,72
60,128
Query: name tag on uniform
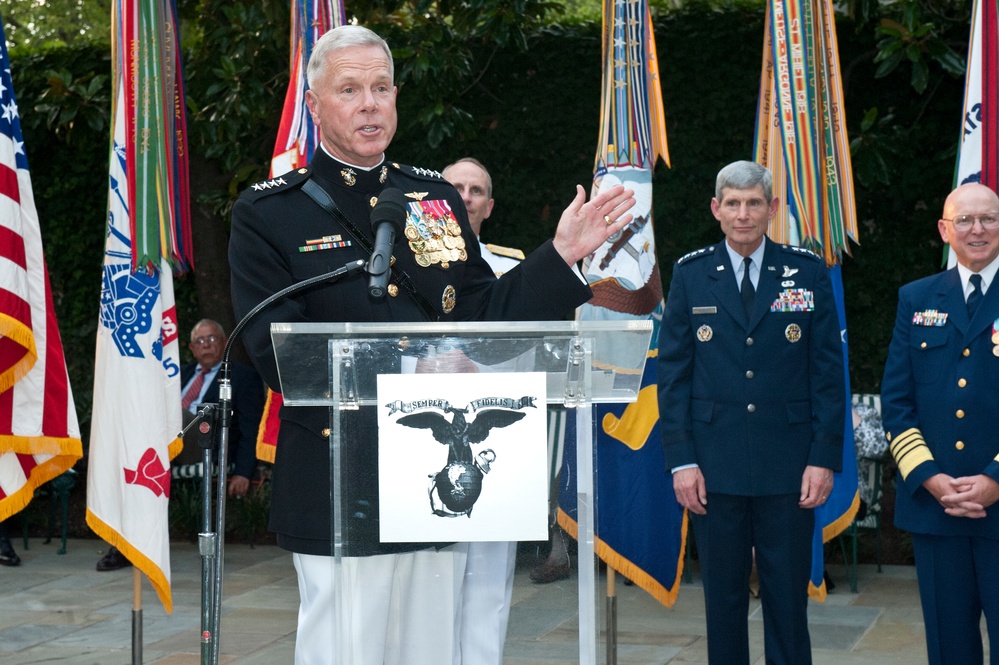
x,y
704,310
929,317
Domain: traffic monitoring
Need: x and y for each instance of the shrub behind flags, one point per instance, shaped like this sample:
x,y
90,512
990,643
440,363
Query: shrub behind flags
x,y
296,142
801,137
640,525
39,432
137,412
978,155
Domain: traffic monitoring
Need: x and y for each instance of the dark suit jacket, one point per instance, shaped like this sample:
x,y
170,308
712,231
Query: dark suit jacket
x,y
939,400
247,407
271,224
752,402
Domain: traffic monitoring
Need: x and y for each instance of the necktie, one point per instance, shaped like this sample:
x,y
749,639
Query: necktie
x,y
194,390
975,297
747,290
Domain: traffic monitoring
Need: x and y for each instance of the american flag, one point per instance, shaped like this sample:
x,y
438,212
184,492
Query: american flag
x,y
39,431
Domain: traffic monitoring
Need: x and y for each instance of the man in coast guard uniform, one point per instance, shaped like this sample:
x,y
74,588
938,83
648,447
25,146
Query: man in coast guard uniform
x,y
939,399
285,231
751,399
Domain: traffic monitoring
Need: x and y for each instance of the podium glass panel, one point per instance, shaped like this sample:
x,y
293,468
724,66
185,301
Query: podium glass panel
x,y
337,366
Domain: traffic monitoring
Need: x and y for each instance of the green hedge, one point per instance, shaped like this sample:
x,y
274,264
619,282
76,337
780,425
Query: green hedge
x,y
537,115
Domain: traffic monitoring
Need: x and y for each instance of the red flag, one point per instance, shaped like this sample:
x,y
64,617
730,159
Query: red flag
x,y
296,142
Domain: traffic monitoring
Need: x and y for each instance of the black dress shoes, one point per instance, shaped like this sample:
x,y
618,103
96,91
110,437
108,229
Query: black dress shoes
x,y
113,560
548,572
8,557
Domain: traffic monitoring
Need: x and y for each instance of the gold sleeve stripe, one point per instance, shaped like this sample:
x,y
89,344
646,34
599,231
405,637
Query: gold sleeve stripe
x,y
910,450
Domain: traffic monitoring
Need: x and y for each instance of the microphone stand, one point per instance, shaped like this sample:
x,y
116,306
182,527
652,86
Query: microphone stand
x,y
211,543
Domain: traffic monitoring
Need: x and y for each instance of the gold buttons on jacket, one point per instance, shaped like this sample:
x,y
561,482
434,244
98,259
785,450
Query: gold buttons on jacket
x,y
966,353
961,383
393,290
923,345
960,413
326,432
959,445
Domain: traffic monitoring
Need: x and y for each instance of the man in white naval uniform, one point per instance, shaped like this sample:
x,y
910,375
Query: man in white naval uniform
x,y
475,186
488,583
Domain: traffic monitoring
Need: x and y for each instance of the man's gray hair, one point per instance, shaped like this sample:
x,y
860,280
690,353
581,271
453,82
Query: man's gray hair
x,y
344,36
473,160
208,322
744,175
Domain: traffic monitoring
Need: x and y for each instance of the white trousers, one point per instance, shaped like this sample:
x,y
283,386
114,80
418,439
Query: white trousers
x,y
400,608
485,603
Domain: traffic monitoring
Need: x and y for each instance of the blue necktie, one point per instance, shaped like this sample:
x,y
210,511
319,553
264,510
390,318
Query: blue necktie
x,y
975,297
747,290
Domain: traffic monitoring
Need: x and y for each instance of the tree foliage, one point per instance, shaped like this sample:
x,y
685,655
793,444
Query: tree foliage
x,y
35,23
523,96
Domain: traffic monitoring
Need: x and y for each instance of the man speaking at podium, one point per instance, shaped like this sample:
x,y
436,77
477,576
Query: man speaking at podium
x,y
316,219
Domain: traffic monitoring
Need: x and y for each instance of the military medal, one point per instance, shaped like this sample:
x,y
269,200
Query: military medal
x,y
349,176
929,317
704,333
433,233
448,299
793,333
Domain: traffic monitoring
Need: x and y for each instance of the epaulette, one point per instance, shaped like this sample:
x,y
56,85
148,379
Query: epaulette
x,y
508,252
283,182
417,172
801,251
703,251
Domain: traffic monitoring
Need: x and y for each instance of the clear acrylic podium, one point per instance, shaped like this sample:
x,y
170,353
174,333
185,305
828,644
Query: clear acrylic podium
x,y
335,365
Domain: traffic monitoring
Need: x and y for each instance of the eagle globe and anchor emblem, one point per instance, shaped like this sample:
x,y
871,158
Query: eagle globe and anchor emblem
x,y
454,489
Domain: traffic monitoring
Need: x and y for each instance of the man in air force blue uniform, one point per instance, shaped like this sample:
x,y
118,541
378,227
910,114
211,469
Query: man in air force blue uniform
x,y
940,397
752,404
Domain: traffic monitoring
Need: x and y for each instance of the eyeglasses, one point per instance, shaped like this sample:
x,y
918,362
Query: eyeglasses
x,y
202,341
965,222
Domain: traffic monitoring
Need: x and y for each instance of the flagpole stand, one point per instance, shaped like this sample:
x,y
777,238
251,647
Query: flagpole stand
x,y
611,616
136,616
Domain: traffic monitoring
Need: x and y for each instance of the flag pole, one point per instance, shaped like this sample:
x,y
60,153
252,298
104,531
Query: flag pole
x,y
611,616
136,616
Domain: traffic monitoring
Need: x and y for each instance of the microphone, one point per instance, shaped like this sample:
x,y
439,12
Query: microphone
x,y
387,219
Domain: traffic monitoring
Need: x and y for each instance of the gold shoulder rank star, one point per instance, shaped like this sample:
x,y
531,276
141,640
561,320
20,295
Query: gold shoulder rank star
x,y
417,195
